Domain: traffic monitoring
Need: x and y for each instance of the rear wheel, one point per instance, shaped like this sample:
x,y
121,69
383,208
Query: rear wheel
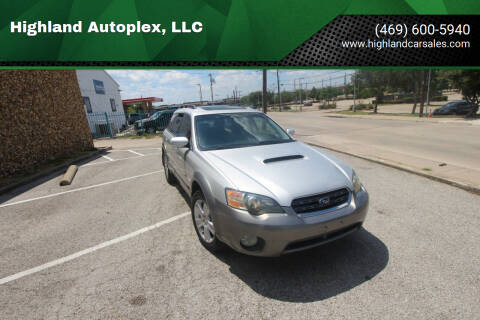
x,y
203,223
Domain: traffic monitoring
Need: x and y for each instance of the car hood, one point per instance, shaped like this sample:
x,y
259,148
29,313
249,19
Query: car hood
x,y
292,170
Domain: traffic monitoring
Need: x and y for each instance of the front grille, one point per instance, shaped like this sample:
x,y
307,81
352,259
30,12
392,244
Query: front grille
x,y
320,201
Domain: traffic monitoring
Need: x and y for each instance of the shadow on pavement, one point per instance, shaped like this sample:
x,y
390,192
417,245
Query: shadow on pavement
x,y
315,274
33,182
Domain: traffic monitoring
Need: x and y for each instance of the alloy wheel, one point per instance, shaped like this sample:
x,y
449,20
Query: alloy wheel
x,y
203,221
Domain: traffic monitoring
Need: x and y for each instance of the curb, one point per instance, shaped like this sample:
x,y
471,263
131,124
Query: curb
x,y
50,171
416,119
453,183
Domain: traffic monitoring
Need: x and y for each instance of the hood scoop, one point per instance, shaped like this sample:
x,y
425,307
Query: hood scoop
x,y
284,158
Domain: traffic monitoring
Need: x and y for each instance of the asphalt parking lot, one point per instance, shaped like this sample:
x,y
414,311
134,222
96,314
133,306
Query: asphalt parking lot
x,y
119,244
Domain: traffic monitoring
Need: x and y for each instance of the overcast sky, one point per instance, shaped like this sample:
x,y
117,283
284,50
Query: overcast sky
x,y
181,85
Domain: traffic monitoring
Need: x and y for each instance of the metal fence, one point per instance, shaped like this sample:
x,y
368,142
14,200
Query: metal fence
x,y
104,124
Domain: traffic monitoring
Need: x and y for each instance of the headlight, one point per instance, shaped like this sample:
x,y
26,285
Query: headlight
x,y
255,204
357,185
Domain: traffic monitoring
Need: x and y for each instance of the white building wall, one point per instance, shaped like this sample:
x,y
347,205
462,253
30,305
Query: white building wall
x,y
100,103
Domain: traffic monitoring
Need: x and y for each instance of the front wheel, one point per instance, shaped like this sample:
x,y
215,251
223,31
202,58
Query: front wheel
x,y
203,223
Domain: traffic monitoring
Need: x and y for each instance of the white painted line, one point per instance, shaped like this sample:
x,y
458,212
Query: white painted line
x,y
138,149
135,152
108,158
134,157
90,250
79,189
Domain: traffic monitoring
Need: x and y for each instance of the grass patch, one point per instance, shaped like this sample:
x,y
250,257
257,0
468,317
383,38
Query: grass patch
x,y
427,169
355,113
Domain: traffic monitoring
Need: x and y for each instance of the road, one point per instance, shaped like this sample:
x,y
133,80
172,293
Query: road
x,y
417,144
116,244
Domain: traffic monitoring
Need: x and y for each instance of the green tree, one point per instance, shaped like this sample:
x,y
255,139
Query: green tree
x,y
468,81
377,81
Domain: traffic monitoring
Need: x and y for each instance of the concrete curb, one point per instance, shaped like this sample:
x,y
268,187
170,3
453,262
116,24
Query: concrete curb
x,y
399,118
50,171
453,183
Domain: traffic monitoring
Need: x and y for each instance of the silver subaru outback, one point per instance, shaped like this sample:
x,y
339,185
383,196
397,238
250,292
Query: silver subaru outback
x,y
255,188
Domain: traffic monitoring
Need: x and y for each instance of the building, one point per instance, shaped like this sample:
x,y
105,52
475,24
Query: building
x,y
102,102
143,104
42,119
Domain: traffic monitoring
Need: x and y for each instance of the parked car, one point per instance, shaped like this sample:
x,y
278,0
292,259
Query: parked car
x,y
157,122
255,188
454,107
307,104
134,117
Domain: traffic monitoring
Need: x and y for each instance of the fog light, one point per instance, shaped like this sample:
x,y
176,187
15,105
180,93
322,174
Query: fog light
x,y
248,240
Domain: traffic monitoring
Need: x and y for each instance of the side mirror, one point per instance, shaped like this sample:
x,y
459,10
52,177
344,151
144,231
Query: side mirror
x,y
179,142
291,131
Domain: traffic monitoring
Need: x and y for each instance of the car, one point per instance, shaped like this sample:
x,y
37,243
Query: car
x,y
157,122
134,117
256,189
455,108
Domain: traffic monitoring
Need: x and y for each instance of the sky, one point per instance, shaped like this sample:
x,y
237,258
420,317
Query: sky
x,y
182,85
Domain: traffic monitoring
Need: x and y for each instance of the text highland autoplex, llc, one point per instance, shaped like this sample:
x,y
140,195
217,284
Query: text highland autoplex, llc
x,y
34,28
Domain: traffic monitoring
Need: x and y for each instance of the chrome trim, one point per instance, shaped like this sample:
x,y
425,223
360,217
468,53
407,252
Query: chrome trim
x,y
315,213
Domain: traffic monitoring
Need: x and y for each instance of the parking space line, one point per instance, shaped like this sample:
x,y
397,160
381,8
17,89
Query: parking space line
x,y
114,160
108,158
91,249
79,189
135,152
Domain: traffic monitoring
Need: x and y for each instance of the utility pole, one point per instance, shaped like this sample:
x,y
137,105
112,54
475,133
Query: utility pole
x,y
428,86
201,97
212,81
295,90
264,91
301,95
279,94
354,91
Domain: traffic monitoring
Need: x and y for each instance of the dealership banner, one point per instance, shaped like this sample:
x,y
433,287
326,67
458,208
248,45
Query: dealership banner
x,y
240,33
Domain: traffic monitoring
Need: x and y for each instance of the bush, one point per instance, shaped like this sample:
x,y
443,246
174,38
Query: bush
x,y
327,106
362,106
412,100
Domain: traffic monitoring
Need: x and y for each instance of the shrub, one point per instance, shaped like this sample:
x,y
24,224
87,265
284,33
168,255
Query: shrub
x,y
362,106
327,106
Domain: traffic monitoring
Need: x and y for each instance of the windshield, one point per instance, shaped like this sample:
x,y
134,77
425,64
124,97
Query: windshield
x,y
235,130
450,105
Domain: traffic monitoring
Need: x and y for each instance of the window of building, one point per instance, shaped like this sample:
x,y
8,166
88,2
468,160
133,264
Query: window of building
x,y
112,104
99,87
86,103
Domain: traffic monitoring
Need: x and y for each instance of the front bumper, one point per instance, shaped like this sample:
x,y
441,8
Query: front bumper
x,y
285,233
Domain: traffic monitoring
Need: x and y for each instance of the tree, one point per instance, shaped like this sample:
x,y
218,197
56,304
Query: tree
x,y
377,81
131,109
422,92
468,81
313,93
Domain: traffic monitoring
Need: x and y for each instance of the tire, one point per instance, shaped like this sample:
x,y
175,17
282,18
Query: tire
x,y
168,174
151,130
204,224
